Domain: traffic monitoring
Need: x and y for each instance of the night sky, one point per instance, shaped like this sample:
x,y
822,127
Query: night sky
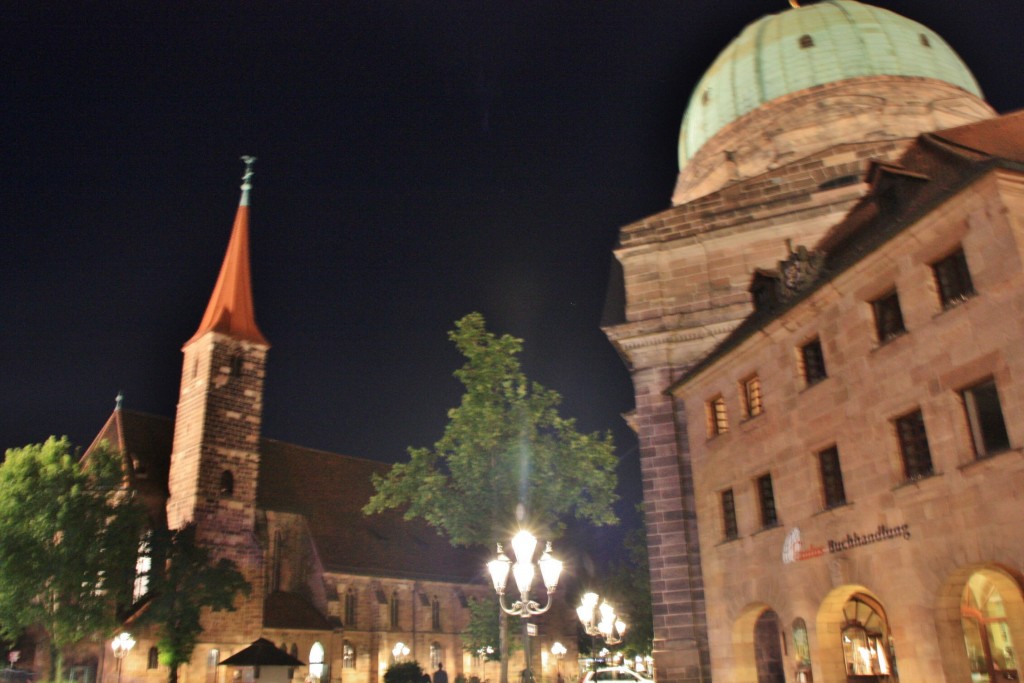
x,y
417,161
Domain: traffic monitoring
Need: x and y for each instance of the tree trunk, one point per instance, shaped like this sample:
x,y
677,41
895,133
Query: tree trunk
x,y
56,662
503,644
172,674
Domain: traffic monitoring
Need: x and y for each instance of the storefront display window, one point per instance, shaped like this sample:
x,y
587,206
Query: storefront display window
x,y
867,647
802,651
986,632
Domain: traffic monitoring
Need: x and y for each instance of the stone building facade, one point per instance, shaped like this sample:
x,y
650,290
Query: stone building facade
x,y
856,443
346,594
775,148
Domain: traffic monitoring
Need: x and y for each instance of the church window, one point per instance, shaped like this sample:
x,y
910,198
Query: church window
x,y
953,279
348,655
227,484
985,419
143,566
766,498
436,655
153,659
316,661
212,660
924,40
831,478
350,608
751,395
394,610
913,440
729,527
888,317
435,614
718,419
806,41
812,362
236,365
275,572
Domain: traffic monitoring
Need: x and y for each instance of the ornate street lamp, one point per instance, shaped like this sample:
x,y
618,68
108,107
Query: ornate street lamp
x,y
600,620
121,645
524,545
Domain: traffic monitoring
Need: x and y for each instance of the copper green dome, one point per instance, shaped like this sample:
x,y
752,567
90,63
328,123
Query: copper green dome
x,y
800,48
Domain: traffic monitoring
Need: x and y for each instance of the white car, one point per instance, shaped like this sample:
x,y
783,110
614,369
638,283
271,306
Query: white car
x,y
615,673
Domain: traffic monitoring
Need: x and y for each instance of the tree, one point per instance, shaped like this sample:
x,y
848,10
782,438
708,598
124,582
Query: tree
x,y
70,533
505,448
482,634
630,587
183,582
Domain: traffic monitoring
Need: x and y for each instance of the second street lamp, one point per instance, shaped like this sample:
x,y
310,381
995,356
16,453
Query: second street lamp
x,y
600,620
524,545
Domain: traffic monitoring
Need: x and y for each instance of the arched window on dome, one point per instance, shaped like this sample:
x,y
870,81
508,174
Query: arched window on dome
x,y
924,40
806,41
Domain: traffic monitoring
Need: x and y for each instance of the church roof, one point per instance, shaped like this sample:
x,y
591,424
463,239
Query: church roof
x,y
328,489
231,309
804,47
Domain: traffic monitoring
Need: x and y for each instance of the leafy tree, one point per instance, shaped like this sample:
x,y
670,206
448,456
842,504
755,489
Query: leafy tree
x,y
482,634
505,448
404,672
183,582
70,533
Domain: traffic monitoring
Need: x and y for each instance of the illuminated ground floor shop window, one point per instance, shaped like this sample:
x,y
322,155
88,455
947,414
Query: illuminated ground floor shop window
x,y
867,646
987,637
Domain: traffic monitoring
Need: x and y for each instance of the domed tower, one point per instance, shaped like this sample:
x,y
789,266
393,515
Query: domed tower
x,y
800,81
773,151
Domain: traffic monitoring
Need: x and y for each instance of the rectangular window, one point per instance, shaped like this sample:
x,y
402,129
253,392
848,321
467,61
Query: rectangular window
x,y
752,406
831,477
985,417
766,496
813,361
718,420
917,458
888,317
953,279
729,526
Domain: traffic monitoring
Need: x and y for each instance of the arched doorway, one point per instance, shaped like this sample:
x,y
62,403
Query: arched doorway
x,y
988,638
868,652
767,648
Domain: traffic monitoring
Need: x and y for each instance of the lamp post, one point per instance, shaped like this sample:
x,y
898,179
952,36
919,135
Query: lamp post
x,y
600,620
558,650
121,645
524,545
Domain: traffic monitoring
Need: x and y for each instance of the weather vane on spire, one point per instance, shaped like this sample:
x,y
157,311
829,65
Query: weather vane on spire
x,y
247,176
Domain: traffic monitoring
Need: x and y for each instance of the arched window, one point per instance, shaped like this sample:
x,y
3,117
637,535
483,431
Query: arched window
x,y
986,626
806,41
348,655
802,648
316,660
867,648
212,660
435,614
350,608
394,610
153,660
227,484
143,565
436,655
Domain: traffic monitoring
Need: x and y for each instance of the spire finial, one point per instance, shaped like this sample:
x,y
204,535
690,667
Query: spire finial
x,y
247,179
119,401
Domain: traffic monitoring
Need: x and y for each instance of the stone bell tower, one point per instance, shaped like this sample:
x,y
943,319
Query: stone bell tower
x,y
215,455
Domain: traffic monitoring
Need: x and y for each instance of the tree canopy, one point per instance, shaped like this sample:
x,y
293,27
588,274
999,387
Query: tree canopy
x,y
70,533
184,581
505,444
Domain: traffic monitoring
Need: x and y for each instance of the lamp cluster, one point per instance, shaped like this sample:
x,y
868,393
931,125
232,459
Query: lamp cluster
x,y
524,545
600,620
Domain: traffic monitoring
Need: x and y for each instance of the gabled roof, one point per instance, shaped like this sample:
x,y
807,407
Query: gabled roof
x,y
936,167
291,611
262,652
328,489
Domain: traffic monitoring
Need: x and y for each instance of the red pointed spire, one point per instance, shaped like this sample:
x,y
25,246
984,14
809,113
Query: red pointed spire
x,y
231,310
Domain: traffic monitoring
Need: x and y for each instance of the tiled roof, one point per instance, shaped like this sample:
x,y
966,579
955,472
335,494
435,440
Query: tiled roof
x,y
292,611
328,489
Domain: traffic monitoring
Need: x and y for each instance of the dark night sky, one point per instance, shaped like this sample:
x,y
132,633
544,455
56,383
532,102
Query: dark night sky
x,y
417,161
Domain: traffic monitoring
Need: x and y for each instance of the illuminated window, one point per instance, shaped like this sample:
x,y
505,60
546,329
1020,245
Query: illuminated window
x,y
316,661
435,614
729,526
766,498
436,655
143,566
953,279
831,477
752,406
985,417
212,660
812,362
888,317
718,420
348,656
914,451
867,645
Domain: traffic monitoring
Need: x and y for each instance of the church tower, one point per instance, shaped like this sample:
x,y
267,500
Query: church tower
x,y
215,454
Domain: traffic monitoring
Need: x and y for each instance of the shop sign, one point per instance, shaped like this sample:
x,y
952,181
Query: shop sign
x,y
793,549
